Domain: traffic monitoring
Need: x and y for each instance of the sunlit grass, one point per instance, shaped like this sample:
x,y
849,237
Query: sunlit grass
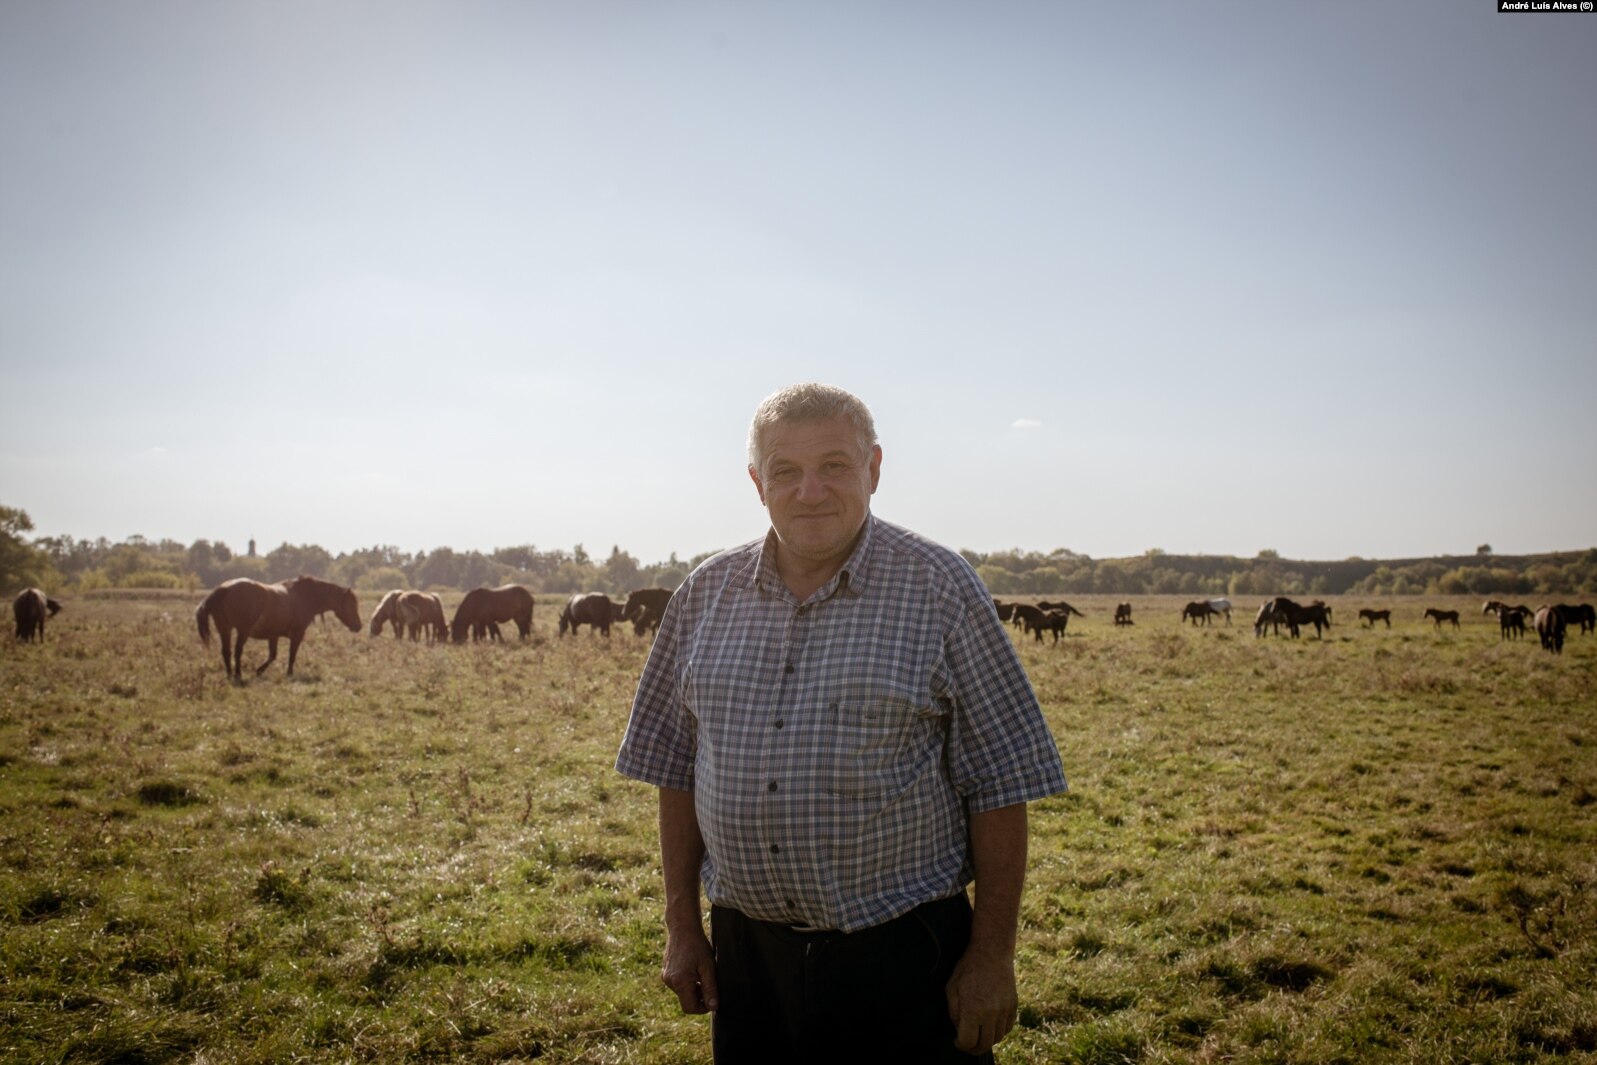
x,y
1374,847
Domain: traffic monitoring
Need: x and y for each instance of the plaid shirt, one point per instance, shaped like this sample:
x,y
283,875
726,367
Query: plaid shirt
x,y
836,747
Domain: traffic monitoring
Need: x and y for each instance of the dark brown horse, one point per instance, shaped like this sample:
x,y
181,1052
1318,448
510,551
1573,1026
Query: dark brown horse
x,y
1198,611
484,608
243,608
31,607
1583,615
1372,616
645,607
594,609
1295,615
1440,616
420,612
1123,614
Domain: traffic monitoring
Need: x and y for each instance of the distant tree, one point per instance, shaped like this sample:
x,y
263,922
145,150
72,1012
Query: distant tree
x,y
21,563
382,579
1269,554
1484,549
288,561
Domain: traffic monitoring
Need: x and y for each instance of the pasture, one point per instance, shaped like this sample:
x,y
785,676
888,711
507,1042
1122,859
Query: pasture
x,y
1381,846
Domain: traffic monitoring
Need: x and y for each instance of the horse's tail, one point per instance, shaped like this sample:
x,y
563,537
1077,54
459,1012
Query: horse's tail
x,y
202,617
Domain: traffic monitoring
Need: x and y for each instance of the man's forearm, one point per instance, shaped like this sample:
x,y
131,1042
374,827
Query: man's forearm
x,y
681,855
998,854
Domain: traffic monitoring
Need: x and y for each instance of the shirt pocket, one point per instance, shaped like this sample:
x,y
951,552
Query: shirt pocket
x,y
882,738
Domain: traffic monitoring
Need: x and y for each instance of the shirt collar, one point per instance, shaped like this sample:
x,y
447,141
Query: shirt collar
x,y
849,580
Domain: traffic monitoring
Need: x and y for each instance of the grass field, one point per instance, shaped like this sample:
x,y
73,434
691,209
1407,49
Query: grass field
x,y
1381,846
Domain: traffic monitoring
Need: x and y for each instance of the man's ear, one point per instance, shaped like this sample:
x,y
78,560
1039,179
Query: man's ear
x,y
876,467
759,486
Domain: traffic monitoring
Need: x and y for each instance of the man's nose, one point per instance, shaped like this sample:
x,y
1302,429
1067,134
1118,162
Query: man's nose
x,y
810,488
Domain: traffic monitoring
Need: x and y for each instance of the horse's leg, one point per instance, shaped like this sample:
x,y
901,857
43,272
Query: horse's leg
x,y
271,655
294,639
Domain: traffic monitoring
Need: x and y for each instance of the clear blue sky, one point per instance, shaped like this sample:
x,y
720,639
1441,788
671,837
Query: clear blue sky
x,y
1203,277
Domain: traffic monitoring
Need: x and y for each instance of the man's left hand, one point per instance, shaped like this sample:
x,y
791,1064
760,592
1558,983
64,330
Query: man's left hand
x,y
982,1000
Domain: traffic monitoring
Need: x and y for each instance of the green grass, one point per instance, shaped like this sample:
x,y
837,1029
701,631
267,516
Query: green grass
x,y
1376,847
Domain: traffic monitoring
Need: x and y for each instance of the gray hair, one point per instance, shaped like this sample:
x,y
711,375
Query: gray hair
x,y
809,402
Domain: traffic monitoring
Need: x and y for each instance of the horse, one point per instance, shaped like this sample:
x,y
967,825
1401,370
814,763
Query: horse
x,y
1061,606
384,614
1583,615
1123,614
31,607
644,608
1440,616
595,609
1265,618
1031,619
1006,611
269,612
1221,606
1550,626
1511,621
1198,610
418,612
1295,615
484,608
1372,616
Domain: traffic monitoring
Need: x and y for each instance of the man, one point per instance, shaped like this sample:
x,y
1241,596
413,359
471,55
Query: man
x,y
843,739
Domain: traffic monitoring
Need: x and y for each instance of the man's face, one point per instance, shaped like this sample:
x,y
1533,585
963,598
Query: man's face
x,y
816,482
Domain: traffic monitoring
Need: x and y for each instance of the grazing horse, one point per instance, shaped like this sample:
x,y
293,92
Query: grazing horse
x,y
1198,610
595,609
243,608
384,614
484,608
1123,614
1221,606
1512,621
645,607
1031,619
31,607
1550,627
418,612
1440,616
1269,617
1295,615
1372,616
1583,615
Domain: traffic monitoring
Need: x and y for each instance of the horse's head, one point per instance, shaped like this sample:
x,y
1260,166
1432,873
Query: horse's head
x,y
346,608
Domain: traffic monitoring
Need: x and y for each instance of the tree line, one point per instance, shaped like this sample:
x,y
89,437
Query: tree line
x,y
62,563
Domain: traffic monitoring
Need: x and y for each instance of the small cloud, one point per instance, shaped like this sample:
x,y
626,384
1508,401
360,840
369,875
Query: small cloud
x,y
1026,423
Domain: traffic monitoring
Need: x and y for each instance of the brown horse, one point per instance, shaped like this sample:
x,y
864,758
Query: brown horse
x,y
1295,616
594,609
269,612
645,607
418,612
1123,614
1440,616
31,607
1198,611
1372,616
484,608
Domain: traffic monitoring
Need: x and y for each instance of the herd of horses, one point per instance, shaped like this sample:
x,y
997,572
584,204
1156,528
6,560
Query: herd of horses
x,y
1550,622
244,609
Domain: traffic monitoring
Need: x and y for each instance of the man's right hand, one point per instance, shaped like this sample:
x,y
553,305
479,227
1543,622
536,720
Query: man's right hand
x,y
689,970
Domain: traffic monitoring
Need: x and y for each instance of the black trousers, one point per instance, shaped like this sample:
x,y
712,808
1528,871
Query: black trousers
x,y
875,996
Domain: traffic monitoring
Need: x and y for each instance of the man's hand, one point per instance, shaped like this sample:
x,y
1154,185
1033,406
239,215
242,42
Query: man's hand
x,y
982,1000
689,970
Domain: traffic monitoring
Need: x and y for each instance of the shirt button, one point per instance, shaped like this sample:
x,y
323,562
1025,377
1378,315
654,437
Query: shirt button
x,y
771,786
803,610
778,722
788,668
776,848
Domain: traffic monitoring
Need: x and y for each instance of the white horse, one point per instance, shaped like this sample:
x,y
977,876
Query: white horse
x,y
1221,606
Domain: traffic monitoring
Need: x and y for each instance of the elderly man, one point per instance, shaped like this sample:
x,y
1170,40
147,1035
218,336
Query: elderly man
x,y
843,739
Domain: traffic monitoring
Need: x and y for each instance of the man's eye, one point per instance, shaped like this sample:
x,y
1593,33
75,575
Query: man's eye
x,y
784,475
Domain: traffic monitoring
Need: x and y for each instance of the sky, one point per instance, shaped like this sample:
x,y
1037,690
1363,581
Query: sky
x,y
1202,278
